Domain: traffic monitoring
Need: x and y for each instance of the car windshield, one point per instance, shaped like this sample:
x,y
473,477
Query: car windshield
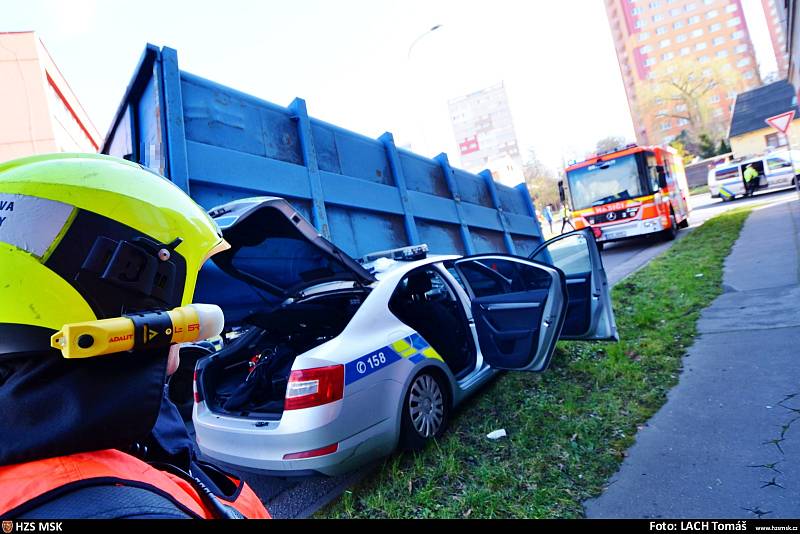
x,y
606,181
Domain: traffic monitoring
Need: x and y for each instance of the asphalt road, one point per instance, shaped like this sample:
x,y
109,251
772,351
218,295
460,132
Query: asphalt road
x,y
301,497
625,257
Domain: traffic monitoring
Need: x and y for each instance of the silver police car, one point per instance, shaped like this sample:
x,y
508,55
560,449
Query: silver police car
x,y
344,360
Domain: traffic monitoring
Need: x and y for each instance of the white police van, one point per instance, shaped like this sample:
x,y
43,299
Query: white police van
x,y
775,169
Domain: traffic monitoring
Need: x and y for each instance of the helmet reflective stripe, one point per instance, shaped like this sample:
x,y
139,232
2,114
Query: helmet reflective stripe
x,y
20,213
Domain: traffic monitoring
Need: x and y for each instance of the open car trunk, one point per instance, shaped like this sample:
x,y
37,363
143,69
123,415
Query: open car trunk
x,y
248,377
296,290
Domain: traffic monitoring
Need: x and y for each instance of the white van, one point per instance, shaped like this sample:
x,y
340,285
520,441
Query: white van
x,y
775,172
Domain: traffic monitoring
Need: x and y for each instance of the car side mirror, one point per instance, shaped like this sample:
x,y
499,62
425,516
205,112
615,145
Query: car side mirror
x,y
561,194
662,176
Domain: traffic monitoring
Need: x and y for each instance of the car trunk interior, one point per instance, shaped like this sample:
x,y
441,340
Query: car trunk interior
x,y
248,377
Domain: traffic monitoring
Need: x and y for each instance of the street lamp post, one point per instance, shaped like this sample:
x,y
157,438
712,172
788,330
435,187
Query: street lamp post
x,y
418,39
414,112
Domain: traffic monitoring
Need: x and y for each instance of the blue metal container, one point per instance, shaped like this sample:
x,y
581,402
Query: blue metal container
x,y
219,144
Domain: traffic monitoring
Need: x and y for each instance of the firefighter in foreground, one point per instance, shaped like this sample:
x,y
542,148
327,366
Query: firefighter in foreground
x,y
93,253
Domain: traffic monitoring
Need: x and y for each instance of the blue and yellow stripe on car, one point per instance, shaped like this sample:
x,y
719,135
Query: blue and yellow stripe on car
x,y
724,192
413,348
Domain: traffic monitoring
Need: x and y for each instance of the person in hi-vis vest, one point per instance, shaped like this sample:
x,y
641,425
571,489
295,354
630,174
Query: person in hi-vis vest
x,y
99,259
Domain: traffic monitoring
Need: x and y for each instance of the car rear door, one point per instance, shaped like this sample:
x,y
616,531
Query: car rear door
x,y
518,307
589,312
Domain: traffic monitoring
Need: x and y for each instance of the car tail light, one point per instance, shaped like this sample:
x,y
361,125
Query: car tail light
x,y
314,387
330,449
197,398
598,232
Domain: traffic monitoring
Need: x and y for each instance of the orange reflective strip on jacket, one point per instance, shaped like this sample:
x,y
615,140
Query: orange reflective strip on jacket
x,y
20,483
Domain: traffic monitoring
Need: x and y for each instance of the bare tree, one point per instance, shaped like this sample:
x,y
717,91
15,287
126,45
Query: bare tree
x,y
689,91
611,142
541,181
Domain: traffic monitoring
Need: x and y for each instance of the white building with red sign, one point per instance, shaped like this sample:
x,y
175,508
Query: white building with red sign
x,y
484,132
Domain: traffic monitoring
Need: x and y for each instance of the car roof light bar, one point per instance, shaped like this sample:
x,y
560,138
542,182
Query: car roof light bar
x,y
412,253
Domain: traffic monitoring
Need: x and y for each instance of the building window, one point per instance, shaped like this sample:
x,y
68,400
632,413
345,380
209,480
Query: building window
x,y
693,19
716,41
714,27
646,49
743,62
683,122
654,4
748,75
722,53
658,17
737,35
636,11
665,126
708,2
703,59
740,48
718,112
641,23
697,33
680,108
734,22
681,38
730,8
649,62
711,14
776,140
678,24
661,30
714,99
665,43
700,46
690,7
674,12
643,36
685,51
667,56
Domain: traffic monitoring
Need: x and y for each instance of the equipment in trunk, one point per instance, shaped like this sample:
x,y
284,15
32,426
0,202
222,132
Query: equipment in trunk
x,y
250,375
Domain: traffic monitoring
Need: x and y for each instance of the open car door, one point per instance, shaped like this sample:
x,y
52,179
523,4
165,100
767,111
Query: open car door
x,y
589,313
518,307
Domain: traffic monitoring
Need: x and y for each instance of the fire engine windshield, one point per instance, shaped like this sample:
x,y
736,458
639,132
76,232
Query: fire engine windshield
x,y
606,181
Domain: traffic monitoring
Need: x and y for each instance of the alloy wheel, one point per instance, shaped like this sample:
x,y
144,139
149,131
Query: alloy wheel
x,y
426,406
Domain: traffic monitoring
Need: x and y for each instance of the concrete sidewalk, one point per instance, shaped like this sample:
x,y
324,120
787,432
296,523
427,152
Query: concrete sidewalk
x,y
727,442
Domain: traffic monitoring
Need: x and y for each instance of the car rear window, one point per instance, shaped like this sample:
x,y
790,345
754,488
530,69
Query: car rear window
x,y
724,174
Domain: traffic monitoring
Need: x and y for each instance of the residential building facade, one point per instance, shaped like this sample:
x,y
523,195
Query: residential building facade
x,y
776,23
653,37
39,113
484,131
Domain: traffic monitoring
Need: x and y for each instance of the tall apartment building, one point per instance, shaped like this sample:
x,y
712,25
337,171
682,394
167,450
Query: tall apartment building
x,y
654,35
485,134
39,113
777,31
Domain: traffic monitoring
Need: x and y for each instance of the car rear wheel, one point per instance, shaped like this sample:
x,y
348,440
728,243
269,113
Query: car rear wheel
x,y
426,410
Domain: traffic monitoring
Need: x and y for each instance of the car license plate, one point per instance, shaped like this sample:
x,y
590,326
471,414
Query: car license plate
x,y
614,235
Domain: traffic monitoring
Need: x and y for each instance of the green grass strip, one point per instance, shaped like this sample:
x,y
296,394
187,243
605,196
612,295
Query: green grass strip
x,y
568,428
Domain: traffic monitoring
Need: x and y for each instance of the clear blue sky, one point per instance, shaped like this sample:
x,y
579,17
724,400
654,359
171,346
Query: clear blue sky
x,y
349,59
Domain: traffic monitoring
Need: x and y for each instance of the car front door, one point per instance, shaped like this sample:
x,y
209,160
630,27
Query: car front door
x,y
589,312
518,307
